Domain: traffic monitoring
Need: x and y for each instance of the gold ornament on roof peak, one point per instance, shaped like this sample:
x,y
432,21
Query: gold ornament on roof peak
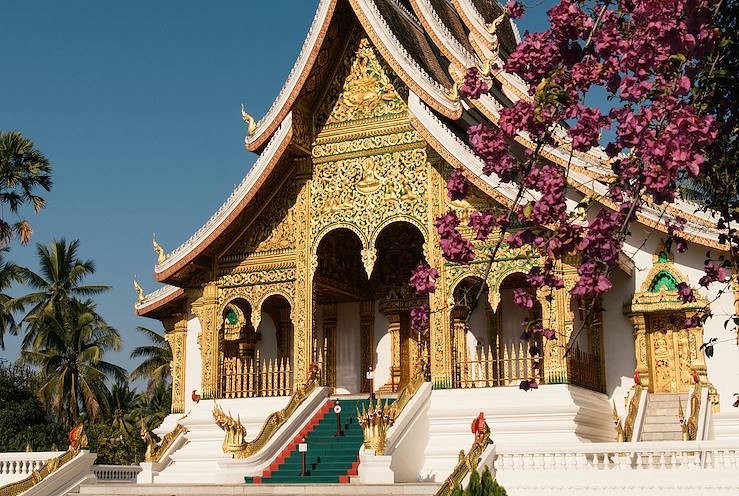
x,y
249,120
453,92
139,291
161,255
492,27
486,69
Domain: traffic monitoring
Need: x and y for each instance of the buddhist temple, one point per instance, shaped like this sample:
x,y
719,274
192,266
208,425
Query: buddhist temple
x,y
292,300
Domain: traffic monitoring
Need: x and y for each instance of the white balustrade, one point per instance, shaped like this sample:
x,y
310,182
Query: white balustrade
x,y
657,455
116,473
18,466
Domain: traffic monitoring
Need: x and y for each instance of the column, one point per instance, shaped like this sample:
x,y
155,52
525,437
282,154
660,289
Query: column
x,y
640,349
367,340
303,310
329,339
393,329
177,340
205,308
285,332
459,337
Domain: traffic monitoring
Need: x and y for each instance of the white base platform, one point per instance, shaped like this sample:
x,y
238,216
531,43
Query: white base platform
x,y
243,489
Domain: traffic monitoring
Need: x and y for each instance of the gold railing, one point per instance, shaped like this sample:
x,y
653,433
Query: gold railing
x,y
632,408
505,365
249,378
466,462
79,442
271,425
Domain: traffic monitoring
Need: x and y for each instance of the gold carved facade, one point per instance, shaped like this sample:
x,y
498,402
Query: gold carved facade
x,y
368,168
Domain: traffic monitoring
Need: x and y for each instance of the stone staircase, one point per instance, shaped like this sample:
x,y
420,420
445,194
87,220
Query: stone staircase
x,y
661,421
329,459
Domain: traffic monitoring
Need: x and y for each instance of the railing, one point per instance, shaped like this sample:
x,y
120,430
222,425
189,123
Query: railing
x,y
17,466
632,410
656,455
249,378
467,462
507,364
116,473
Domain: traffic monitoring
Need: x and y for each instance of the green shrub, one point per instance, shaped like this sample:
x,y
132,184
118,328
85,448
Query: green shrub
x,y
114,447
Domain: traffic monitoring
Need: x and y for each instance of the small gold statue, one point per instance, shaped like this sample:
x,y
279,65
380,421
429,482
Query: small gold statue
x,y
249,120
139,291
453,92
161,255
492,27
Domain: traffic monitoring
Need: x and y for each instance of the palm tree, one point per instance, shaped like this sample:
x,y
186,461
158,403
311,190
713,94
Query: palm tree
x,y
23,169
156,405
9,274
73,372
122,407
59,280
157,357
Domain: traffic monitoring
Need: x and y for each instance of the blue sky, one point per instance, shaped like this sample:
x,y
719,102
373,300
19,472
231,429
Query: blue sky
x,y
136,104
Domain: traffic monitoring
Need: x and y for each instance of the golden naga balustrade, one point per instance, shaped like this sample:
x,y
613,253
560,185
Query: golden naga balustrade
x,y
468,461
234,441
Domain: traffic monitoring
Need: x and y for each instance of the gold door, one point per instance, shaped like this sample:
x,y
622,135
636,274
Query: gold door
x,y
671,353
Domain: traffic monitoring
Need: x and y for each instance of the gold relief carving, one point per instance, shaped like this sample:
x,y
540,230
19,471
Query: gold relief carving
x,y
205,306
273,229
302,128
369,257
368,191
366,88
402,138
257,277
302,306
177,340
255,295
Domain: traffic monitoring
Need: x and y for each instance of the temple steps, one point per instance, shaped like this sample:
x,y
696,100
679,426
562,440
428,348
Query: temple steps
x,y
661,420
330,458
118,489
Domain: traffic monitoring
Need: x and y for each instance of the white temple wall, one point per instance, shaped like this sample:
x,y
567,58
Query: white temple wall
x,y
193,361
383,356
511,317
477,337
348,361
267,346
618,340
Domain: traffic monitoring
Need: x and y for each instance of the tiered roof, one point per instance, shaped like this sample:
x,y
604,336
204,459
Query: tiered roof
x,y
429,44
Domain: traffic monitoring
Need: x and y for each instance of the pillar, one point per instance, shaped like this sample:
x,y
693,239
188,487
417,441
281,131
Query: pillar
x,y
205,308
176,336
329,340
393,330
640,349
459,337
367,340
303,311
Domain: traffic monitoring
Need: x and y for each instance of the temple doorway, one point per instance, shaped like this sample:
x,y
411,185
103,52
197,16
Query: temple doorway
x,y
669,355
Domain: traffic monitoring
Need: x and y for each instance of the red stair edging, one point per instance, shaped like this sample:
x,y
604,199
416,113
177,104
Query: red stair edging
x,y
307,428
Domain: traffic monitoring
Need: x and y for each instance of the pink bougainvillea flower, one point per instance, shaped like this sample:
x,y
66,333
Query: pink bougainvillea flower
x,y
473,85
522,298
423,279
457,185
685,293
515,9
419,317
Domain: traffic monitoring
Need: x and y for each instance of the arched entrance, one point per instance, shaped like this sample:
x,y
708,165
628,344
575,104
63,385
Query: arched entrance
x,y
399,248
255,362
340,287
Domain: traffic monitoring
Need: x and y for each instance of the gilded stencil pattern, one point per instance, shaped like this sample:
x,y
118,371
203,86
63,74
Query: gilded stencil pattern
x,y
274,275
367,88
407,137
367,191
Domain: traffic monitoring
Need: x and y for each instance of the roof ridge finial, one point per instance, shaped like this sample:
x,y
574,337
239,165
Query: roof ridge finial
x,y
161,255
139,290
249,120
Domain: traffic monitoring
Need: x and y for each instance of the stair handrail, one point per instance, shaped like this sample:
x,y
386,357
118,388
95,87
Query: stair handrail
x,y
407,392
469,461
78,442
155,451
632,412
275,419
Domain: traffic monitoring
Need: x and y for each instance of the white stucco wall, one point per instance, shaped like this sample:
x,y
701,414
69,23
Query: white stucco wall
x,y
193,361
348,361
267,346
383,357
618,341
